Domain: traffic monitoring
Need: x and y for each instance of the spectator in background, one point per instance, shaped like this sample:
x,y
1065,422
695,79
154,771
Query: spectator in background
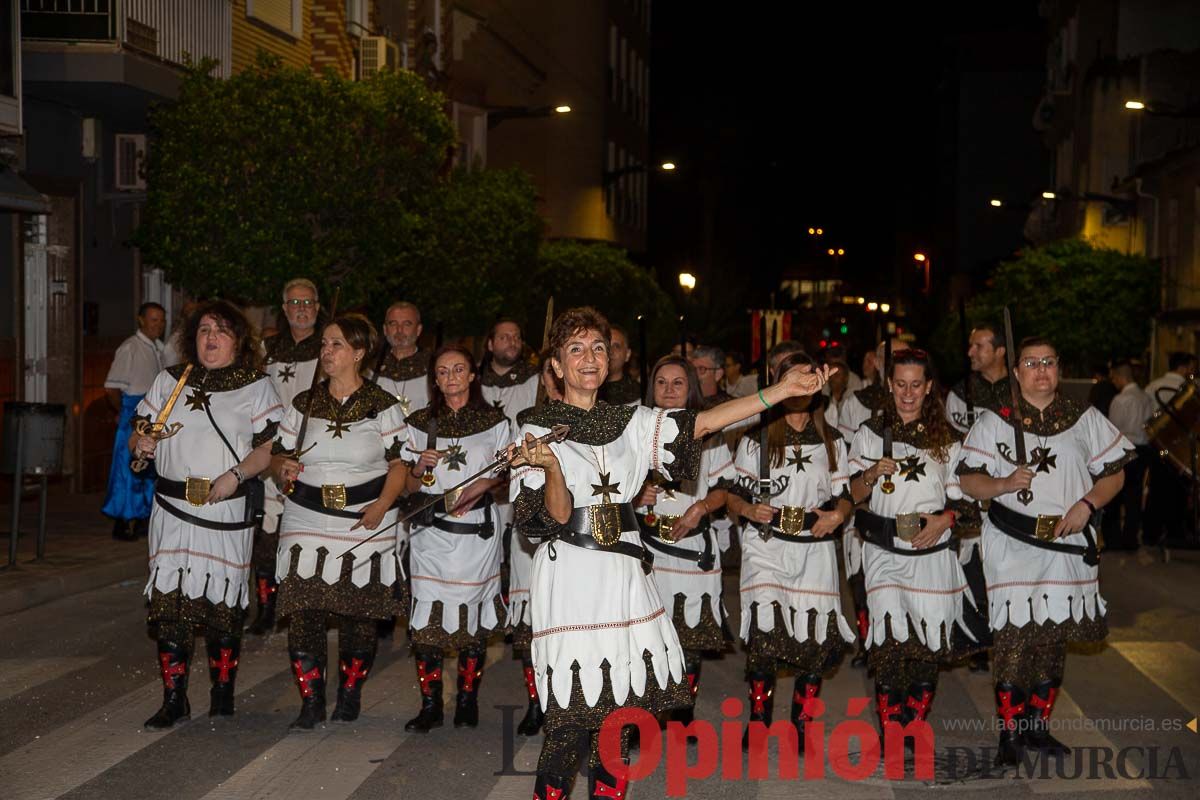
x,y
1103,391
738,383
136,363
1128,411
1166,506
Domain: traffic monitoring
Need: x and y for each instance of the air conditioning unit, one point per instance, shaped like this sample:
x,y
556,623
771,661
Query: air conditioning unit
x,y
130,150
378,53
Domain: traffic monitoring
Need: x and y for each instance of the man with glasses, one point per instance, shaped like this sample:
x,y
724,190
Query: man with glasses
x,y
291,360
1039,533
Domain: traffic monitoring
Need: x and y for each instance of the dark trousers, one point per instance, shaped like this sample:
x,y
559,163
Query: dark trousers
x,y
1167,505
1123,516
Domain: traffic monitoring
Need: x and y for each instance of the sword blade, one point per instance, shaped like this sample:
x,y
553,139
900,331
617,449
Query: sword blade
x,y
1014,388
169,406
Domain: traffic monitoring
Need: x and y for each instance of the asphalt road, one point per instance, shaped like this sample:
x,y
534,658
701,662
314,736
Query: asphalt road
x,y
78,677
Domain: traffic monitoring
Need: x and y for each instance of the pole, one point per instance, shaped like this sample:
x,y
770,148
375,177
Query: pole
x,y
643,353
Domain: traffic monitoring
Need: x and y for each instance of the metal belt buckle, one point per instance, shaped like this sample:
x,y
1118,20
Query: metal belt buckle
x,y
333,495
605,520
1043,529
196,490
451,500
908,526
791,520
666,524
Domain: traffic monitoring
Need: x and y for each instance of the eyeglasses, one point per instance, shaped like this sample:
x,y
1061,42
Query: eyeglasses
x,y
703,370
296,301
1049,362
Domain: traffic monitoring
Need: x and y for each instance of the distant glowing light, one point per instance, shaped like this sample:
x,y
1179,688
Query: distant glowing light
x,y
668,165
919,257
885,307
687,280
860,300
1135,105
872,306
1048,195
995,203
563,109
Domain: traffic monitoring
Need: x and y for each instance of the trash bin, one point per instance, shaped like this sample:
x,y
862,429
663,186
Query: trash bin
x,y
32,445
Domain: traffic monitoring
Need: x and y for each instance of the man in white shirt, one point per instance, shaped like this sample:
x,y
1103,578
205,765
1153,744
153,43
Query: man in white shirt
x,y
1166,504
137,362
1129,411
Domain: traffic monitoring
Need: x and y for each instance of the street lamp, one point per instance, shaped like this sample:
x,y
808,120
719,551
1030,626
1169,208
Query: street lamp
x,y
499,114
1157,109
995,203
872,306
688,281
612,175
667,166
926,261
563,109
1047,195
885,307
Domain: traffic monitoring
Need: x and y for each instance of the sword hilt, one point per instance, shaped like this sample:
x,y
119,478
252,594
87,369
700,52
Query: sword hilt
x,y
156,431
290,486
887,487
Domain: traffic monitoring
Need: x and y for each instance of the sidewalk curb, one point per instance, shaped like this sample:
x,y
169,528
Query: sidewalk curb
x,y
71,582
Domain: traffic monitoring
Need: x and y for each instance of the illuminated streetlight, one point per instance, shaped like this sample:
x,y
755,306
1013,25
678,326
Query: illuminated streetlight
x,y
812,231
687,280
1135,105
668,165
927,261
1048,195
995,203
872,306
563,109
841,252
885,307
820,231
919,256
830,251
860,300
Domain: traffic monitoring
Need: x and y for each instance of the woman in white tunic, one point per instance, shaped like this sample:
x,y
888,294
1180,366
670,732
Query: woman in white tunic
x,y
344,488
602,638
455,549
1039,550
675,521
790,591
200,527
917,595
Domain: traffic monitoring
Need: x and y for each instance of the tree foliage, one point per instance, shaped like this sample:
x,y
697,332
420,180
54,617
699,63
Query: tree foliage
x,y
280,172
1095,304
602,276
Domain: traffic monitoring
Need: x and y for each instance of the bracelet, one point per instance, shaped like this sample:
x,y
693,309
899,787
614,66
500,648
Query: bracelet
x,y
867,483
763,399
237,473
953,517
1088,503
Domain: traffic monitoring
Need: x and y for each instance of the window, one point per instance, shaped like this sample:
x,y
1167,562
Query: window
x,y
283,15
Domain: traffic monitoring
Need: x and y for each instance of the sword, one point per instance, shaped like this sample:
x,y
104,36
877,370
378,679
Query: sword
x,y
159,429
549,322
297,451
1024,496
763,486
887,487
966,345
556,434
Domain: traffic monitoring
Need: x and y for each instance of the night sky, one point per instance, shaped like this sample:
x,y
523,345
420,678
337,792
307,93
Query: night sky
x,y
786,115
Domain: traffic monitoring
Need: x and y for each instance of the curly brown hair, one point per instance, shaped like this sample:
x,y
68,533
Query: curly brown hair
x,y
573,321
245,349
933,413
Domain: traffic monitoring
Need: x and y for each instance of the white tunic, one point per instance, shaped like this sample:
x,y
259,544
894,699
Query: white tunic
x,y
136,364
454,568
407,380
512,393
590,606
927,589
799,577
678,576
290,365
348,453
1027,583
203,562
850,417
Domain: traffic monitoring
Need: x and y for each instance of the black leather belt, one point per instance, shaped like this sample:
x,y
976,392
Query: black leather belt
x,y
314,497
1025,529
177,490
881,532
484,530
705,559
580,535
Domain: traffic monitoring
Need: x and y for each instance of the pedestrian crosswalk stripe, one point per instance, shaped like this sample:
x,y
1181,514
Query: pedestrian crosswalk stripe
x,y
21,674
1172,666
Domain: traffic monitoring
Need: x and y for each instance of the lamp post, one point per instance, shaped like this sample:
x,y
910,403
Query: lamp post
x,y
925,261
612,175
499,114
687,282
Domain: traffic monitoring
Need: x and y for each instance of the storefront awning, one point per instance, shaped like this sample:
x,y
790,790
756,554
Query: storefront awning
x,y
17,195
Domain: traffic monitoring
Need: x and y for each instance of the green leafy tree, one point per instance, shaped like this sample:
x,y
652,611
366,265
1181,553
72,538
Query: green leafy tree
x,y
280,172
1095,304
602,276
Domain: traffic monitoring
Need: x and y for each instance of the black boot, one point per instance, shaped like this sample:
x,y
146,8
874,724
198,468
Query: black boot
x,y
310,680
691,670
534,717
550,787
808,688
603,784
125,530
470,674
762,686
173,664
429,674
223,653
264,619
917,705
1038,708
1010,707
889,705
864,626
353,667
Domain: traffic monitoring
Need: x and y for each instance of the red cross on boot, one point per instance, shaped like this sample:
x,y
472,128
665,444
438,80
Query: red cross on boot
x,y
353,667
762,686
1038,710
223,653
470,673
429,675
171,670
532,722
602,783
173,665
805,704
1010,707
310,680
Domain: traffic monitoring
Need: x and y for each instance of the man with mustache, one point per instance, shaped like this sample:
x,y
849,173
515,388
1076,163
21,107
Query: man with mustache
x,y
405,370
